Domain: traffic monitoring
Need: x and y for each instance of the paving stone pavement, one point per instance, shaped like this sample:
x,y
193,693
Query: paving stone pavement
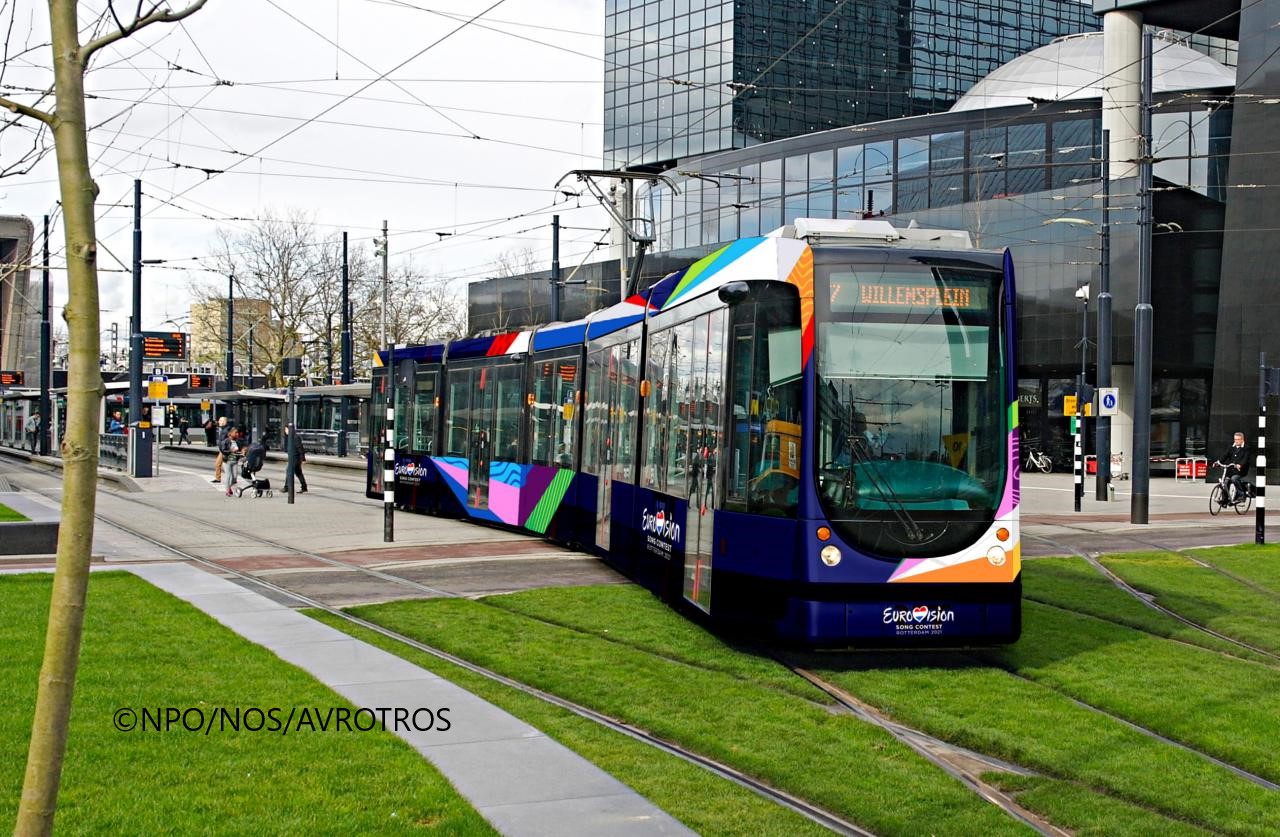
x,y
521,781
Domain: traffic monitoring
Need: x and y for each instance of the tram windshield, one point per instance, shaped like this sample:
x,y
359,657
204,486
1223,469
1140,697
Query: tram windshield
x,y
911,428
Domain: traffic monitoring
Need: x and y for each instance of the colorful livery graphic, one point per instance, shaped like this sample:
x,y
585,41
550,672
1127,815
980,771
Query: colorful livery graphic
x,y
810,434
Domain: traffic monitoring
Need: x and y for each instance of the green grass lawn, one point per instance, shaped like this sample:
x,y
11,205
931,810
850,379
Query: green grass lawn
x,y
720,710
8,515
143,648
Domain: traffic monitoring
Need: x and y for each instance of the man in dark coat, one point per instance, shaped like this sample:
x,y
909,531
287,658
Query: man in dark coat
x,y
1236,461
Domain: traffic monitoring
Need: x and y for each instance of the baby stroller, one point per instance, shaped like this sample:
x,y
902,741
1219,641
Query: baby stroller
x,y
253,462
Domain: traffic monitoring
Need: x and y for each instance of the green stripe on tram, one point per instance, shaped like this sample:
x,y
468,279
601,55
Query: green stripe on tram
x,y
540,517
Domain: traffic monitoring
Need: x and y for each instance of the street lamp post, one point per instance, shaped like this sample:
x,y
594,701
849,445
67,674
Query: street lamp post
x,y
231,333
1102,425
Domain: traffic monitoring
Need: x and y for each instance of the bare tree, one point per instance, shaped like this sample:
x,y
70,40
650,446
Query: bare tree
x,y
423,309
67,124
276,266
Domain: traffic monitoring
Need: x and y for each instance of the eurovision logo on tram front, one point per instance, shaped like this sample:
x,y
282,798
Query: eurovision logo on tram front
x,y
918,619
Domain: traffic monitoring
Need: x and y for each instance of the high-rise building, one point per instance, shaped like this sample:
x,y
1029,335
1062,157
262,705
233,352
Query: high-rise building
x,y
691,77
19,308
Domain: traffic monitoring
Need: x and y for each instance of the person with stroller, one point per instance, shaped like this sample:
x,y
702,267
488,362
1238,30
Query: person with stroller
x,y
297,455
254,460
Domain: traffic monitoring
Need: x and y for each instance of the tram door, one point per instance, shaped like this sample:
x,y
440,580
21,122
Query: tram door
x,y
480,454
701,392
597,455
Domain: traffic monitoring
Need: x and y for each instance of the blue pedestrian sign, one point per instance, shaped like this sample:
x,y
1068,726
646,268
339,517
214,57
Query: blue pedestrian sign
x,y
1108,401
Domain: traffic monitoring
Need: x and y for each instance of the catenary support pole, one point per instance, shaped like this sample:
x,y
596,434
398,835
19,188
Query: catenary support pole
x,y
1102,426
231,319
46,352
344,405
291,453
1143,316
555,268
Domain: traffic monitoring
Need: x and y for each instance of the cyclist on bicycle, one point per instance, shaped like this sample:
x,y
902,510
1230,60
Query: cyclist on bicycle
x,y
1236,462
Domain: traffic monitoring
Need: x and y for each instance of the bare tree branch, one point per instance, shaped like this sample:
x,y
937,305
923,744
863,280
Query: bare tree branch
x,y
156,15
25,110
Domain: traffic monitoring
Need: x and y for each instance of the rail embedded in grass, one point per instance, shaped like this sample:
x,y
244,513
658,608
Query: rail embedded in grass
x,y
995,712
830,759
1204,595
144,648
704,802
1074,585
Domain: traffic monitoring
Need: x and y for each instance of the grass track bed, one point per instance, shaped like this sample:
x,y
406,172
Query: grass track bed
x,y
831,759
704,802
1205,596
1086,812
1072,584
1096,752
1258,564
144,648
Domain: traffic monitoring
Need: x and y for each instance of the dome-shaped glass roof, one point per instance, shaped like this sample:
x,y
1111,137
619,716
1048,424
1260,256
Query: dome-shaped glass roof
x,y
1072,68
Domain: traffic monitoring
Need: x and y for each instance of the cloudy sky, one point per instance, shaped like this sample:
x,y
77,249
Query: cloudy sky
x,y
352,111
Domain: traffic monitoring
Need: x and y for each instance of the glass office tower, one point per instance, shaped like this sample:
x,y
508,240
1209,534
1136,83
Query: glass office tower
x,y
690,77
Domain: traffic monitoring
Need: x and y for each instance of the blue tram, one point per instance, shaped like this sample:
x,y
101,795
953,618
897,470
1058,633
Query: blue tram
x,y
812,434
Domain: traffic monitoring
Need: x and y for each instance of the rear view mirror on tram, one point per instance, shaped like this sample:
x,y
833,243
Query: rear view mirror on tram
x,y
734,293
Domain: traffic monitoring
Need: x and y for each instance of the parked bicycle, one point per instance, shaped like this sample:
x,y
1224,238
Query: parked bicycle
x,y
1225,493
1038,459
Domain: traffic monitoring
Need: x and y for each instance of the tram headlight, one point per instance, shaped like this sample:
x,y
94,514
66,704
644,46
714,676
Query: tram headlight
x,y
996,556
830,555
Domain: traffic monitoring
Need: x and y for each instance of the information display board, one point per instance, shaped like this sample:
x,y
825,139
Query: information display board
x,y
164,345
13,378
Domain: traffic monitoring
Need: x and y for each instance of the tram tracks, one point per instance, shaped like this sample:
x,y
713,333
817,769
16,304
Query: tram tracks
x,y
1149,599
831,821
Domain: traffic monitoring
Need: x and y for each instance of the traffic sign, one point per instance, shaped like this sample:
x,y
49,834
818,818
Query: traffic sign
x,y
1068,405
1108,401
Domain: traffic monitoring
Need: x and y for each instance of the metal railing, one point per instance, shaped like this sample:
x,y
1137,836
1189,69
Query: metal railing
x,y
326,442
113,451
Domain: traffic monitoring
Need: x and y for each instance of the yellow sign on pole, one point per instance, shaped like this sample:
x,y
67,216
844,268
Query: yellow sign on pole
x,y
157,390
204,405
1068,405
957,446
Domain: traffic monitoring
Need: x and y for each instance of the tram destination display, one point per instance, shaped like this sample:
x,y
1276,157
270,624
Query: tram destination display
x,y
164,345
12,378
852,292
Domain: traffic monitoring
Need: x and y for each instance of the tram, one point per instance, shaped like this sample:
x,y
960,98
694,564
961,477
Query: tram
x,y
810,434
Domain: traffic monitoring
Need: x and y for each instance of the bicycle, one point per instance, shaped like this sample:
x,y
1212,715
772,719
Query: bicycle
x,y
1220,496
1038,459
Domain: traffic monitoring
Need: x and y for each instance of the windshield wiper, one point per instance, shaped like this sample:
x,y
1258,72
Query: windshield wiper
x,y
858,449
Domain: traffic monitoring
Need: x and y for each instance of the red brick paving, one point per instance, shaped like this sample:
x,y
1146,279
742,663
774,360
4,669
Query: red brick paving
x,y
256,563
1049,519
479,549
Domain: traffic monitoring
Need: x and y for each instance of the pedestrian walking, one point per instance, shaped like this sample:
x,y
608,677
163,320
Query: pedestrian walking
x,y
210,433
32,428
183,427
229,448
221,430
296,456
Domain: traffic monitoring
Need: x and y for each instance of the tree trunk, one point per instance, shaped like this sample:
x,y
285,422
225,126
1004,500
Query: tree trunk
x,y
79,443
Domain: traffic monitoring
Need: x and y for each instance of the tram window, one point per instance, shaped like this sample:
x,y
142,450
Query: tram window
x,y
508,402
552,417
680,362
653,473
458,417
596,412
424,412
764,450
624,402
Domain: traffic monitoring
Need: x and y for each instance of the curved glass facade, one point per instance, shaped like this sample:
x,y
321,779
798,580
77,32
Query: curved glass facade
x,y
689,77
